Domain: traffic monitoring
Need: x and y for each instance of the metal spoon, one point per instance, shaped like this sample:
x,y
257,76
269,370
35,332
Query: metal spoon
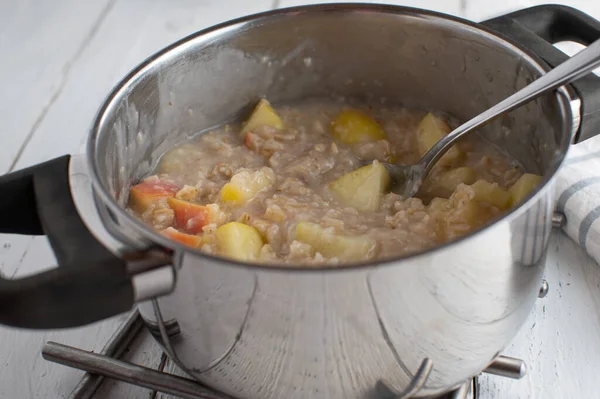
x,y
407,179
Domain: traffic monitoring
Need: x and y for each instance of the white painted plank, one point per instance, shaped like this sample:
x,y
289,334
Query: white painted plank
x,y
446,6
134,30
130,31
23,372
561,340
39,42
565,338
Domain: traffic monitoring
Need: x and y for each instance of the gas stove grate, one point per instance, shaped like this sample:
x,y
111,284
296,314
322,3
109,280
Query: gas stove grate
x,y
106,364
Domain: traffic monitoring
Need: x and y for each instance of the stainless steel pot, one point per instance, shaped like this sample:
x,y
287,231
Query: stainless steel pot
x,y
423,324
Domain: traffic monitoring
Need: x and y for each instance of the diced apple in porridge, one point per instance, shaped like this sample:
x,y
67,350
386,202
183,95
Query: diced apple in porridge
x,y
431,130
444,184
149,192
239,241
187,239
462,216
438,204
191,217
245,185
288,186
263,115
492,193
330,245
455,215
523,187
362,188
353,127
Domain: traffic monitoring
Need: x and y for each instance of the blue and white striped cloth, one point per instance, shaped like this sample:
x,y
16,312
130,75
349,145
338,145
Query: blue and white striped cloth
x,y
578,195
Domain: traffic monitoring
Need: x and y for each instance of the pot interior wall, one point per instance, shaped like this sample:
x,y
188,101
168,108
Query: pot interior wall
x,y
404,57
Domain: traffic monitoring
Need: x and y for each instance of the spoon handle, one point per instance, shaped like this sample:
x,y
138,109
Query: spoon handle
x,y
575,67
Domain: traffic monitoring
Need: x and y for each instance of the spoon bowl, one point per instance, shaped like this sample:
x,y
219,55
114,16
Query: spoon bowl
x,y
407,179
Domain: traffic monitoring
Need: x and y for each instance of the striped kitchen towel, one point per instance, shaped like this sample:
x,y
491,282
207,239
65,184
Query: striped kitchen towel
x,y
578,195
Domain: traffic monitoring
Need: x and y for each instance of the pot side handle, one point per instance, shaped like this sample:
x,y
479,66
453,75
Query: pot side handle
x,y
538,28
91,283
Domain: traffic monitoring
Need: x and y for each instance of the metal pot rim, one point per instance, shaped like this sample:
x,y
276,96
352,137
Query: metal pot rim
x,y
206,35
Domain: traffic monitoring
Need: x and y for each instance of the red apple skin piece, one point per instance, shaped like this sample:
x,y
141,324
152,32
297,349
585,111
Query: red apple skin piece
x,y
190,217
251,141
186,239
248,140
146,193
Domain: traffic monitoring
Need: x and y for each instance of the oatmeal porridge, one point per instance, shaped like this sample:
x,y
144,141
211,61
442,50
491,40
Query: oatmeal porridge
x,y
287,186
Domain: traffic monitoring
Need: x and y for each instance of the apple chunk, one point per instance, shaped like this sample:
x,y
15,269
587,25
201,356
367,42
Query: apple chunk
x,y
329,244
455,216
444,184
523,187
148,192
244,186
362,188
484,191
352,127
239,241
186,239
431,130
191,217
263,115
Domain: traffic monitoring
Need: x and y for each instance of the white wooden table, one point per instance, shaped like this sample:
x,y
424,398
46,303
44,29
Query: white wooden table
x,y
59,60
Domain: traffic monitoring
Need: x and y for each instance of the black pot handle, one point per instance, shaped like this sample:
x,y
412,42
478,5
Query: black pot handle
x,y
537,29
91,283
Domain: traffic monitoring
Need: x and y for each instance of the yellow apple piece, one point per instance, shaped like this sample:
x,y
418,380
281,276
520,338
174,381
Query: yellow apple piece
x,y
148,192
239,241
492,193
329,244
352,127
431,130
244,186
190,240
444,184
438,204
263,115
362,188
523,187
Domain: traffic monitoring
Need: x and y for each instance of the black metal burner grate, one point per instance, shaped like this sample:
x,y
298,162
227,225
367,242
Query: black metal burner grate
x,y
107,364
